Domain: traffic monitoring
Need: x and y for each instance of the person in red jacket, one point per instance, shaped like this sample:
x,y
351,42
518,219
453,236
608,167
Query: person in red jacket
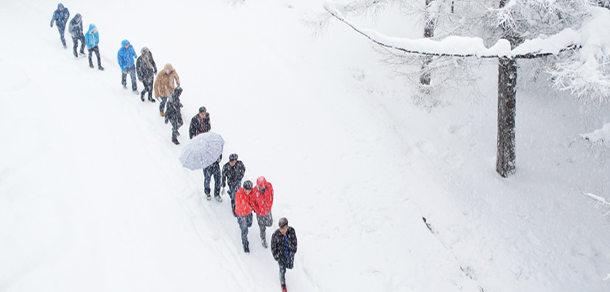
x,y
262,201
243,198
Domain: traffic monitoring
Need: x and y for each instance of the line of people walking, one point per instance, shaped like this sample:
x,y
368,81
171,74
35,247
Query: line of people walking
x,y
245,199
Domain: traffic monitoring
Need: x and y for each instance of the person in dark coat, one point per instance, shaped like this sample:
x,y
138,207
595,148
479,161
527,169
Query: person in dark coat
x,y
200,123
173,113
212,170
232,173
146,69
76,31
244,212
283,248
60,17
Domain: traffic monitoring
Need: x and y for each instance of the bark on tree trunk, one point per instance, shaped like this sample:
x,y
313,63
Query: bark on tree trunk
x,y
507,98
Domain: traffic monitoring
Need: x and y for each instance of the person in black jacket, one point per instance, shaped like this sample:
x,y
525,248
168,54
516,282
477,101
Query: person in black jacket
x,y
76,31
212,170
200,123
232,173
283,248
173,113
146,69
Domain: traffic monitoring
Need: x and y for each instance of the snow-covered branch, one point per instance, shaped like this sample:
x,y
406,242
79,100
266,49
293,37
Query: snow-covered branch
x,y
466,46
598,199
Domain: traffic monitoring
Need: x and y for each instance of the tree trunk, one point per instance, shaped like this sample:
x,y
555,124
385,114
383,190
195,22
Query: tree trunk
x,y
424,78
507,98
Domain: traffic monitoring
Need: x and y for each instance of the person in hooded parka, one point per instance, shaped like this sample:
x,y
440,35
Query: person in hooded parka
x,y
164,85
146,69
262,203
60,17
76,31
173,113
92,39
126,57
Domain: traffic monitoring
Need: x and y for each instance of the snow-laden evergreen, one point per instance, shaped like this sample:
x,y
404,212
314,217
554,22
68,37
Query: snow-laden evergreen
x,y
94,198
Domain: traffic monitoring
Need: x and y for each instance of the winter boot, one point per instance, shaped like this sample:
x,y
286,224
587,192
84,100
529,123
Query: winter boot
x,y
175,141
284,288
218,198
264,242
91,65
162,113
137,92
208,197
100,67
151,100
246,249
142,96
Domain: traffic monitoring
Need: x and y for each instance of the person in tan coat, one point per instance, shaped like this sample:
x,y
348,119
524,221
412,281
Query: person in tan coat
x,y
164,85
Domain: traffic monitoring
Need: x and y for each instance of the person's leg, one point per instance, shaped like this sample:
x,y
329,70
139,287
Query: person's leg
x,y
174,130
207,177
82,45
96,49
262,225
148,87
217,182
124,78
232,191
90,56
75,41
61,30
243,225
282,273
162,104
132,74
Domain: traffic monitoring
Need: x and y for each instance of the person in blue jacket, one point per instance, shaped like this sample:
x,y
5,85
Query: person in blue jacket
x,y
126,57
60,17
76,30
92,39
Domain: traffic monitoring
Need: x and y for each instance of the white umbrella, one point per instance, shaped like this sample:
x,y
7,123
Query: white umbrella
x,y
202,151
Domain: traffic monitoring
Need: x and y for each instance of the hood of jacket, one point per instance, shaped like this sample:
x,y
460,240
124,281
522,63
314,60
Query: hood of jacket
x,y
60,6
92,27
77,17
168,68
177,92
124,43
261,182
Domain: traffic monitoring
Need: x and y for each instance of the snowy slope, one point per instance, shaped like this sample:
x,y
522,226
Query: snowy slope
x,y
93,197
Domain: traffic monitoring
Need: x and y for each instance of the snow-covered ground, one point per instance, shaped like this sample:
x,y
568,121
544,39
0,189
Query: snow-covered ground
x,y
93,197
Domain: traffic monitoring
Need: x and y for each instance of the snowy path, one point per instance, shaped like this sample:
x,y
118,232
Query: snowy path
x,y
93,197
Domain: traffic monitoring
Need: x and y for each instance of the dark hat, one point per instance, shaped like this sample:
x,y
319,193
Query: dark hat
x,y
233,157
202,109
248,185
283,222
